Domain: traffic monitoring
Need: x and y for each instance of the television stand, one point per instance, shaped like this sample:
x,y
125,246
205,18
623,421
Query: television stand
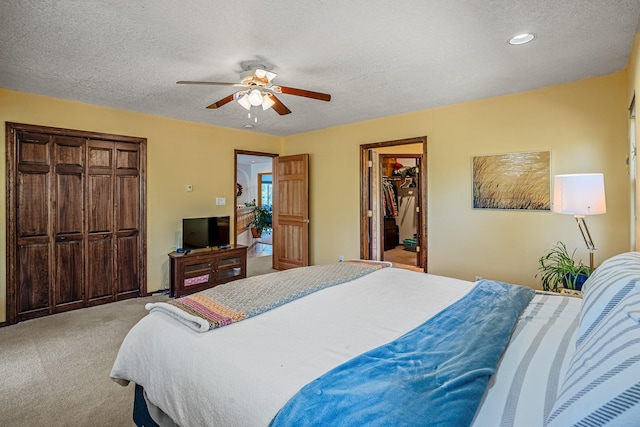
x,y
202,269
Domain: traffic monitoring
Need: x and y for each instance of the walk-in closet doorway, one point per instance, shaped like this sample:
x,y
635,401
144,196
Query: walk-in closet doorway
x,y
394,202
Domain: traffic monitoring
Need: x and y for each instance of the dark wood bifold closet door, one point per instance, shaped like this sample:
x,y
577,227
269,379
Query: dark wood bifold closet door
x,y
100,232
76,224
32,294
127,228
68,222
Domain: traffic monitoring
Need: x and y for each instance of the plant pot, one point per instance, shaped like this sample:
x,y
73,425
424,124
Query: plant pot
x,y
256,233
573,278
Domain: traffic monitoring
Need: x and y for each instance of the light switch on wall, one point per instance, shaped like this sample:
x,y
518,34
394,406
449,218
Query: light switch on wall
x,y
221,201
189,187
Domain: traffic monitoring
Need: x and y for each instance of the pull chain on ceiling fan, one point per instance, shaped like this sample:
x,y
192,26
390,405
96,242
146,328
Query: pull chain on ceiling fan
x,y
259,91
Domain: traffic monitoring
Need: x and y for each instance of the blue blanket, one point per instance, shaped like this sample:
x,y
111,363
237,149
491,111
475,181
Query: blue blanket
x,y
434,375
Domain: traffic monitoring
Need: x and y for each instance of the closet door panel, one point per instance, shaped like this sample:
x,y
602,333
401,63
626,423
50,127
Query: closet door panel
x,y
69,242
100,267
70,204
33,280
127,158
68,195
100,187
69,278
100,203
100,252
128,219
33,205
33,149
32,225
128,186
101,155
128,269
69,150
68,284
128,194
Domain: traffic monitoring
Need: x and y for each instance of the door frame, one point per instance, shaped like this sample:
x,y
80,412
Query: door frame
x,y
366,228
632,169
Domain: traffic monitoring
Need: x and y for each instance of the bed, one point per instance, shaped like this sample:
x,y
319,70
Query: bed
x,y
392,347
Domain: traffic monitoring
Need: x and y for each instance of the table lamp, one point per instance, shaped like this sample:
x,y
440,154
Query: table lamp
x,y
579,195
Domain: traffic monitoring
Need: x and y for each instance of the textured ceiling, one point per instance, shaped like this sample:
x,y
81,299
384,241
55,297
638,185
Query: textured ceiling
x,y
376,58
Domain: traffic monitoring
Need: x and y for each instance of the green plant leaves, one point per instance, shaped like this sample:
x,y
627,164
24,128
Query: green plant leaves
x,y
557,267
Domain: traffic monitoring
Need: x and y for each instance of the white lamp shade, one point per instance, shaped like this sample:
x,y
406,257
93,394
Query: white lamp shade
x,y
264,75
255,97
579,194
244,101
267,101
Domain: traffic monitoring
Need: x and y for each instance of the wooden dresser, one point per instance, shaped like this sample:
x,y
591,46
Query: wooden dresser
x,y
202,269
391,236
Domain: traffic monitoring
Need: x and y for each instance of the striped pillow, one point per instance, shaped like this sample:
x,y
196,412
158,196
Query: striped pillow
x,y
602,385
523,390
609,284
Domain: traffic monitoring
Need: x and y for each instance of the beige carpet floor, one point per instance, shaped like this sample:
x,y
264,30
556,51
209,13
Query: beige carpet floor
x,y
54,371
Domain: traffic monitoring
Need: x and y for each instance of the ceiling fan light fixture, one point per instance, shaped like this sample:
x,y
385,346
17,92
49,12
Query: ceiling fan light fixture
x,y
244,101
255,97
265,75
521,39
257,90
267,102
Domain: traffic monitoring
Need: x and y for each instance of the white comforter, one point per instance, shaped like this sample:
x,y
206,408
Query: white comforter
x,y
242,374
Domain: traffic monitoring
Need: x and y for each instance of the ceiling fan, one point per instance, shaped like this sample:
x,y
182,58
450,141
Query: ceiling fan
x,y
258,90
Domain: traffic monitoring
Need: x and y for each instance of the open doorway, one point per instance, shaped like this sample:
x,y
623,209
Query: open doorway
x,y
399,197
394,173
254,193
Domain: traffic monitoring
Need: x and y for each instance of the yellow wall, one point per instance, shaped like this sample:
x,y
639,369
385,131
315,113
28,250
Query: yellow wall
x,y
583,124
178,153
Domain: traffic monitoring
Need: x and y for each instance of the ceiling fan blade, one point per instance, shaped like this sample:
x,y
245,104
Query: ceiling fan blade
x,y
186,82
222,102
302,92
278,106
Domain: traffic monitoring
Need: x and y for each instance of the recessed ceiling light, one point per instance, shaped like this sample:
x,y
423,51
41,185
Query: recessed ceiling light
x,y
522,38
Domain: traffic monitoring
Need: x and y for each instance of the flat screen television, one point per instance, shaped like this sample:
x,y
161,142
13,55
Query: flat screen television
x,y
205,232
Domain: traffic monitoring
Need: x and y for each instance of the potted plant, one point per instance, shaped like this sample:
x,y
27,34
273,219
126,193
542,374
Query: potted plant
x,y
261,220
557,267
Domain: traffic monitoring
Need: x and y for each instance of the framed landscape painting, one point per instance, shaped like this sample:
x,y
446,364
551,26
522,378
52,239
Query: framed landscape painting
x,y
519,181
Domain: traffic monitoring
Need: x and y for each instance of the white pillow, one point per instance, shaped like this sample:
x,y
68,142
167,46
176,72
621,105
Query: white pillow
x,y
602,385
616,278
